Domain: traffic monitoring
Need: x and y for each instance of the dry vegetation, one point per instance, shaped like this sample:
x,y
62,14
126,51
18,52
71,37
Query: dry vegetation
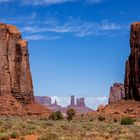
x,y
77,129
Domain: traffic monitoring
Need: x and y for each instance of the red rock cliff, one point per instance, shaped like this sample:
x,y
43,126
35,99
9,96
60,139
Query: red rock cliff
x,y
132,71
15,75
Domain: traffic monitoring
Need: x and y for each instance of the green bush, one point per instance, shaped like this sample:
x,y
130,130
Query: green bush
x,y
127,121
101,118
56,116
14,134
71,113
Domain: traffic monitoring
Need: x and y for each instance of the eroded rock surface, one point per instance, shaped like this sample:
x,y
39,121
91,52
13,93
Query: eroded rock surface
x,y
15,75
16,88
117,92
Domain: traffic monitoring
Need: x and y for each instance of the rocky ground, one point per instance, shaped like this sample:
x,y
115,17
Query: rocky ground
x,y
9,106
122,108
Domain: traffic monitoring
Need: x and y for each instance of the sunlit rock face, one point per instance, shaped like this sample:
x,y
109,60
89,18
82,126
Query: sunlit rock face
x,y
132,70
15,75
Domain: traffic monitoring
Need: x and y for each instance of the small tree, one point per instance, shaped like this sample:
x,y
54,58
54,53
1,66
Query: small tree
x,y
127,121
71,113
56,116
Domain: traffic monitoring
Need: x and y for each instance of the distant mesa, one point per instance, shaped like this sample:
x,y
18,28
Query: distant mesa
x,y
16,88
79,106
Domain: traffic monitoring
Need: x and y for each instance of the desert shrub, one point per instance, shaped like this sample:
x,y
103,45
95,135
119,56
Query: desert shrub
x,y
115,120
127,121
65,127
91,119
101,118
56,115
71,113
48,136
4,136
14,134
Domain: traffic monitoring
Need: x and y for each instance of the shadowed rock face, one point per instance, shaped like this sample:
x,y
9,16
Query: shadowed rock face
x,y
132,71
15,75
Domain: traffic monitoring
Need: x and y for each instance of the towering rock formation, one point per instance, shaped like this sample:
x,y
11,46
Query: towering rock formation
x,y
72,101
15,75
117,92
132,71
80,102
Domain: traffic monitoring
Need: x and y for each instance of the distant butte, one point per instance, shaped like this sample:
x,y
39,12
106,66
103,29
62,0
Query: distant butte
x,y
117,92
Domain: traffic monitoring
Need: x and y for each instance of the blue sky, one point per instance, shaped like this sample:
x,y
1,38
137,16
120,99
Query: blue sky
x,y
76,47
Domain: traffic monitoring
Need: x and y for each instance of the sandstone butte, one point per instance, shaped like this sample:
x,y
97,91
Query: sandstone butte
x,y
131,88
16,88
132,71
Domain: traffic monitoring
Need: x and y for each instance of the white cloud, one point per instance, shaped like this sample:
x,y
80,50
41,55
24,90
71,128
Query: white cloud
x,y
74,26
63,100
94,1
105,25
2,1
45,2
41,37
78,28
102,99
32,29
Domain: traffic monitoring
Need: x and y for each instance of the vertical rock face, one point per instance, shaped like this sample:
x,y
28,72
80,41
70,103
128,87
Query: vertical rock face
x,y
72,104
117,92
15,75
132,70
